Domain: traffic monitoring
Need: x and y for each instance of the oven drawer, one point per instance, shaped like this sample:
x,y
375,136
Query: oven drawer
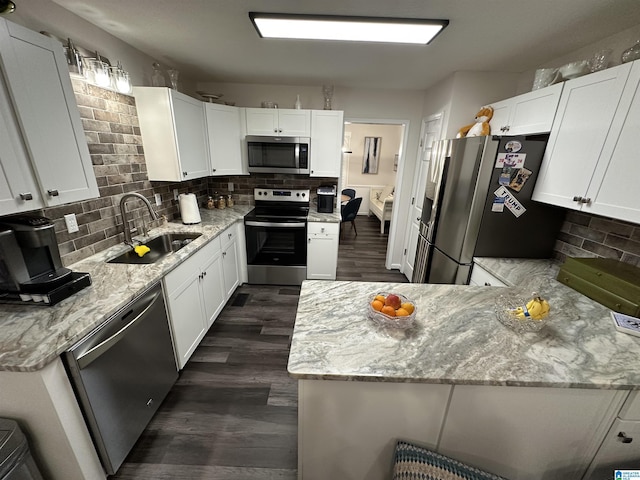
x,y
323,228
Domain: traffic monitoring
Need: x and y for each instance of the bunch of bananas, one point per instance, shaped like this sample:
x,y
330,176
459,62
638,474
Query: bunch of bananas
x,y
537,308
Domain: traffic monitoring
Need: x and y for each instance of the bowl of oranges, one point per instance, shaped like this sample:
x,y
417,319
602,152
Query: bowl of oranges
x,y
392,310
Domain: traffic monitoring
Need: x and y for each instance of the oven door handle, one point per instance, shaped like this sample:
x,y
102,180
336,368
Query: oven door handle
x,y
275,224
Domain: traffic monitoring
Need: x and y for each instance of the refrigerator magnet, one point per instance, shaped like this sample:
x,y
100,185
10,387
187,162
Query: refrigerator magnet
x,y
515,160
498,205
510,201
520,179
505,178
513,146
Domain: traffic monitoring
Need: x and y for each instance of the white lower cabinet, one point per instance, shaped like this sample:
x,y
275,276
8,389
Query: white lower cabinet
x,y
528,433
230,260
480,277
194,292
198,289
322,250
619,451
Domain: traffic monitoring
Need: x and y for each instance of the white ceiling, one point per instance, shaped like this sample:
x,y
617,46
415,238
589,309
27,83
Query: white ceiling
x,y
214,40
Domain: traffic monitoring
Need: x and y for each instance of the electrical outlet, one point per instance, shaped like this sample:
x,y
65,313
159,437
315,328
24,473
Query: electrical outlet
x,y
72,223
158,198
231,186
175,194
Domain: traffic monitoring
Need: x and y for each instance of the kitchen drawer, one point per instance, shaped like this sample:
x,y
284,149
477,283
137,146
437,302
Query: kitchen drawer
x,y
228,236
480,277
631,408
323,228
600,295
175,278
619,450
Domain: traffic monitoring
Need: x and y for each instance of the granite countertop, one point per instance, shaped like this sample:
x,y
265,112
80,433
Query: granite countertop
x,y
33,336
315,216
458,339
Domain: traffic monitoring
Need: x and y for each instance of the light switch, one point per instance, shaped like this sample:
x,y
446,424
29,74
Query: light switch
x,y
158,198
175,194
72,223
231,186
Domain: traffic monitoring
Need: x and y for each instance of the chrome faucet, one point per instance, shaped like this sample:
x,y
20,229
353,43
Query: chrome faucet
x,y
123,211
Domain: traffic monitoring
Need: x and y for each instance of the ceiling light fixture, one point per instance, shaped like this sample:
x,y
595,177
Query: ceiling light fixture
x,y
7,7
354,29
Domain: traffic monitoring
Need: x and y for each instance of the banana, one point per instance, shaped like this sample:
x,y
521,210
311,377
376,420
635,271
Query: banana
x,y
537,308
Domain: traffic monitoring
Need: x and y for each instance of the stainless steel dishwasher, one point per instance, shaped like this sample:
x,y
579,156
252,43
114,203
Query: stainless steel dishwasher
x,y
121,372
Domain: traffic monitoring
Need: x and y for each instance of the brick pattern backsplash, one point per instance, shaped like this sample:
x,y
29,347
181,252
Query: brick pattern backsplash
x,y
585,235
111,128
112,131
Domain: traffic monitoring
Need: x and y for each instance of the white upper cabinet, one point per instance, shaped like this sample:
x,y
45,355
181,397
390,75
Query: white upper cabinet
x,y
326,143
174,134
590,162
532,112
44,154
278,121
226,139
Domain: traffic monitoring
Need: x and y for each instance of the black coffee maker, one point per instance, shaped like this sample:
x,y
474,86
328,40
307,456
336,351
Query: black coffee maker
x,y
30,266
326,198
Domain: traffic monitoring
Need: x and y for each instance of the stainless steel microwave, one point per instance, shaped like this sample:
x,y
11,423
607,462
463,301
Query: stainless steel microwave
x,y
278,154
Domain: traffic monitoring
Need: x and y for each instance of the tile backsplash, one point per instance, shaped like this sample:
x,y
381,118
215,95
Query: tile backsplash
x,y
111,128
585,235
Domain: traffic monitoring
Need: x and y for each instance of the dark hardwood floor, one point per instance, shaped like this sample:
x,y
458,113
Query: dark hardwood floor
x,y
232,414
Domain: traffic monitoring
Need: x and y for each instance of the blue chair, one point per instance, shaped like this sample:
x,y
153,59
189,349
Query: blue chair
x,y
349,192
349,212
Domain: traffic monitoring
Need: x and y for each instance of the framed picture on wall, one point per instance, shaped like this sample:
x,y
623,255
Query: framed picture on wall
x,y
371,154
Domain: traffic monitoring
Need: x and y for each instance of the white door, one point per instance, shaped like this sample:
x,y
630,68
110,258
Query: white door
x,y
212,284
191,136
18,189
225,140
430,133
294,123
577,136
230,268
615,182
262,121
39,86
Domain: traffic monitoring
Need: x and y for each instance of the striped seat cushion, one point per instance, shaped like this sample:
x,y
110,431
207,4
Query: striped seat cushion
x,y
417,463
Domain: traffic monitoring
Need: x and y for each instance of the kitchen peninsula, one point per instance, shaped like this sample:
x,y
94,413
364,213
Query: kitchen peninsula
x,y
525,406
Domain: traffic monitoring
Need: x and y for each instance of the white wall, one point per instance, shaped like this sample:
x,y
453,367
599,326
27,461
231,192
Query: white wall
x,y
391,136
618,43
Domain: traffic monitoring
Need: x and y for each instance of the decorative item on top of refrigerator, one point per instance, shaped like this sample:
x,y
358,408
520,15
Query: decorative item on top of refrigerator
x,y
478,203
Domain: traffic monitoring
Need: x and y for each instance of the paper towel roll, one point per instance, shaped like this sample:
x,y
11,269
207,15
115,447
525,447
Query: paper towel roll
x,y
189,208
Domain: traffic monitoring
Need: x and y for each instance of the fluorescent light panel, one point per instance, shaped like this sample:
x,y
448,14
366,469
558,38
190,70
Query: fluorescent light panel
x,y
354,29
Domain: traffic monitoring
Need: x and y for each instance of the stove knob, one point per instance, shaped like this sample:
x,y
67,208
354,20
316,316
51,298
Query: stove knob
x,y
304,195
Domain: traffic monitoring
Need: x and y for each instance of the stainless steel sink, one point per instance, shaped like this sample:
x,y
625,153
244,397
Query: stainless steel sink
x,y
160,246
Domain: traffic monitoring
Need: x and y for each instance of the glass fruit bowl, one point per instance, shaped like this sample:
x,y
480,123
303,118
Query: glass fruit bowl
x,y
402,321
505,308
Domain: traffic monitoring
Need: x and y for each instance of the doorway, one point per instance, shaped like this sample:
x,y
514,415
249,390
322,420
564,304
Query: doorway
x,y
372,166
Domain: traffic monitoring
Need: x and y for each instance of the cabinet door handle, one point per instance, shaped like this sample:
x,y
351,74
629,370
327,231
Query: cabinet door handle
x,y
577,199
53,193
623,437
184,174
230,235
585,200
26,196
214,169
224,254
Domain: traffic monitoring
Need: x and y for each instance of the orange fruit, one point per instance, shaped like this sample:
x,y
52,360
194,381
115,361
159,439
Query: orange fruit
x,y
380,298
389,310
377,305
408,306
401,312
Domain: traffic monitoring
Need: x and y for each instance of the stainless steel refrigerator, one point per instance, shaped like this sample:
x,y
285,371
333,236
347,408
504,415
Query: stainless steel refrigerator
x,y
478,203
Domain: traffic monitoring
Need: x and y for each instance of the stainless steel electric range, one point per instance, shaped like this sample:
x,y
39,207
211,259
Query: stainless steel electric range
x,y
276,234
